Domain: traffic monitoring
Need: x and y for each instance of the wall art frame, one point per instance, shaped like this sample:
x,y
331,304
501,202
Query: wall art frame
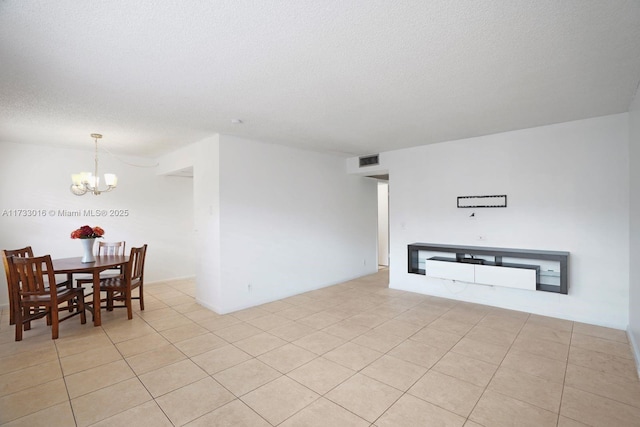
x,y
495,201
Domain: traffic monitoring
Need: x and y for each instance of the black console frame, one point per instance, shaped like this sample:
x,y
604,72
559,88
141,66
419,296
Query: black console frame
x,y
461,252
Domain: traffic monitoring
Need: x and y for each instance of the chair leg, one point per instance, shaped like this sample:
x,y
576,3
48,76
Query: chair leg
x,y
83,314
12,309
141,297
27,325
109,300
54,322
128,303
19,325
91,308
70,303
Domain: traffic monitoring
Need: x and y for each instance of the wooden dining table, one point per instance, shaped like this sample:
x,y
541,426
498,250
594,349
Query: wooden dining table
x,y
71,266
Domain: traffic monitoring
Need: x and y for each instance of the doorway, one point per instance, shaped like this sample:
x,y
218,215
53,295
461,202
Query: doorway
x,y
383,223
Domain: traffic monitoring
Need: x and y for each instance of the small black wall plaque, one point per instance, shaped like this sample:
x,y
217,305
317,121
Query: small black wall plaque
x,y
482,201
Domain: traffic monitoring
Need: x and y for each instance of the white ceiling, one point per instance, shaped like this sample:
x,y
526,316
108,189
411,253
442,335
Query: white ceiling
x,y
355,77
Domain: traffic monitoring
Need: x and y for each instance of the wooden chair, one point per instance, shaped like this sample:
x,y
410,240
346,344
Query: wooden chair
x,y
34,298
111,248
6,254
106,248
21,253
120,288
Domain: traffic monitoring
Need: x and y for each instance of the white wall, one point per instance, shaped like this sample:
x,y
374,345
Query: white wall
x,y
181,158
273,221
38,177
383,223
634,276
206,178
568,190
290,221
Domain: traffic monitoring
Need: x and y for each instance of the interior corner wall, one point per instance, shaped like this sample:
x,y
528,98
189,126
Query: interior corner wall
x,y
290,221
568,190
38,209
206,206
634,244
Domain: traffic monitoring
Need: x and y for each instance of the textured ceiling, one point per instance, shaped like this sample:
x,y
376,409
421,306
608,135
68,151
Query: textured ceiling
x,y
353,77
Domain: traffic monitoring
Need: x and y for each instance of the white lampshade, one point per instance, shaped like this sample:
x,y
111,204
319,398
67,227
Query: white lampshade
x,y
110,179
84,177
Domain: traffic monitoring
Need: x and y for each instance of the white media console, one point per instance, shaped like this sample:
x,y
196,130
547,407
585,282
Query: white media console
x,y
465,267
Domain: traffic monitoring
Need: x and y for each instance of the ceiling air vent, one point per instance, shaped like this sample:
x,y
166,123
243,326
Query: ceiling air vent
x,y
369,160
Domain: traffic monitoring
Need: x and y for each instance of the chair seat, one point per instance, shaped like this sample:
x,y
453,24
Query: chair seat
x,y
62,295
118,276
89,280
116,283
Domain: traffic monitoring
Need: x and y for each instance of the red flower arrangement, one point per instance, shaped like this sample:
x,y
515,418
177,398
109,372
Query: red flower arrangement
x,y
86,232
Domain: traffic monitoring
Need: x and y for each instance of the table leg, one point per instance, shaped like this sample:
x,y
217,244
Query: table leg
x,y
96,299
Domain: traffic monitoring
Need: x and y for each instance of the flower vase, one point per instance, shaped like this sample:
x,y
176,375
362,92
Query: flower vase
x,y
87,247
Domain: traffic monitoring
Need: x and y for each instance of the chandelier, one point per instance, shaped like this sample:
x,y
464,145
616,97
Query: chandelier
x,y
85,182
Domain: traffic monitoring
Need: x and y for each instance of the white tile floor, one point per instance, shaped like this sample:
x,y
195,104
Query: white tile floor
x,y
354,354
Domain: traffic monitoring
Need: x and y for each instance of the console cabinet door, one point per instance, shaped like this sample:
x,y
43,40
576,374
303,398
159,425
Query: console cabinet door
x,y
449,270
520,278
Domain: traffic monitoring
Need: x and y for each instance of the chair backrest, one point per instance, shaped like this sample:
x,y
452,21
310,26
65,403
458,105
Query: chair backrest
x,y
8,253
111,248
33,276
135,267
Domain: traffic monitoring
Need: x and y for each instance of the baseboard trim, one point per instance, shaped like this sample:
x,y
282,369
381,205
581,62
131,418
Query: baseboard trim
x,y
209,307
635,348
173,279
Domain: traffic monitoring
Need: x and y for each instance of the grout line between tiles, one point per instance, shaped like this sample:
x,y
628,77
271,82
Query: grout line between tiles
x,y
494,374
564,378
